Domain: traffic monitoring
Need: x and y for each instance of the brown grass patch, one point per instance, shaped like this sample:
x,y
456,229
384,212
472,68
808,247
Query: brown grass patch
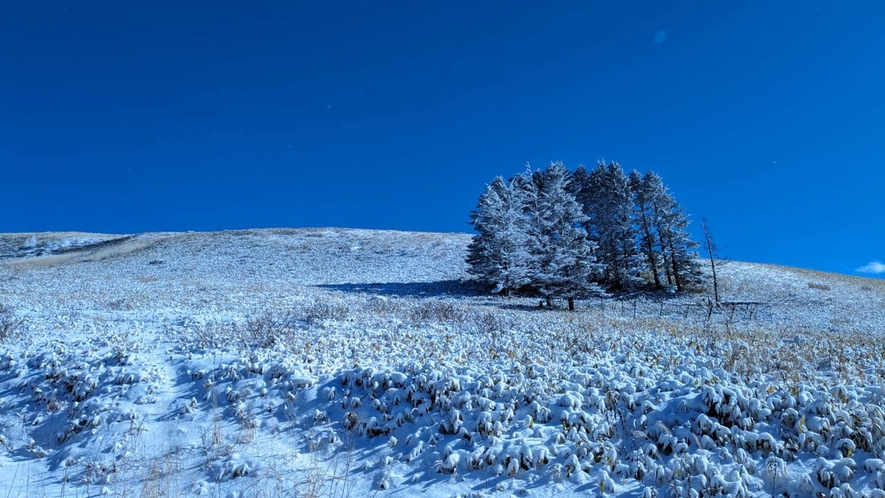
x,y
104,252
815,285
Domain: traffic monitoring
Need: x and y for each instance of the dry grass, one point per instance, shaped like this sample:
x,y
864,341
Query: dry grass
x,y
818,286
162,477
107,250
832,277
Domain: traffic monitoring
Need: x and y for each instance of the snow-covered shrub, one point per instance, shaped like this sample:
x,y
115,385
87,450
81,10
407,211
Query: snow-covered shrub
x,y
10,325
438,311
321,310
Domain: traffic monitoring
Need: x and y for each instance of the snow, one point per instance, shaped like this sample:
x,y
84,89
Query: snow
x,y
332,362
30,245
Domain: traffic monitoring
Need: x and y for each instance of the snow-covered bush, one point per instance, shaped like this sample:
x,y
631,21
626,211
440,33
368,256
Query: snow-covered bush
x,y
10,325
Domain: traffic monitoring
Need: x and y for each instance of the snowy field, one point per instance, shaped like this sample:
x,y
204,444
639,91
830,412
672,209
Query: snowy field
x,y
330,362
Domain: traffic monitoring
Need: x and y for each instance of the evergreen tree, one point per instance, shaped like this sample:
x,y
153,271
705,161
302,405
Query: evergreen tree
x,y
498,253
561,233
659,208
677,249
643,202
527,188
608,204
563,260
682,250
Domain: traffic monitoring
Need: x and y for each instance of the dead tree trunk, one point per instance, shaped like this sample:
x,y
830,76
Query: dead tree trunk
x,y
712,252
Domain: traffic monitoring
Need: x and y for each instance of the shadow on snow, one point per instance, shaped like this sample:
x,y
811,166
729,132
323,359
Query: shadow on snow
x,y
442,288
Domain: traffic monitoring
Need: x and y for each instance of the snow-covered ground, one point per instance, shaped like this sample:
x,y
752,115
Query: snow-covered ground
x,y
331,362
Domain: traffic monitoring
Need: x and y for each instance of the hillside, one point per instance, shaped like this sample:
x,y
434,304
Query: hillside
x,y
333,362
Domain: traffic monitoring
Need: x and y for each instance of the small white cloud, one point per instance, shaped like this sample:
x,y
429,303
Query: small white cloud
x,y
874,267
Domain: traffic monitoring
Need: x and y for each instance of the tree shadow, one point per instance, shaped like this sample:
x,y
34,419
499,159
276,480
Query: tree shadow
x,y
645,303
442,288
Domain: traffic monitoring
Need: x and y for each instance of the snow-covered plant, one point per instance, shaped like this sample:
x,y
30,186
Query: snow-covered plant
x,y
9,324
498,253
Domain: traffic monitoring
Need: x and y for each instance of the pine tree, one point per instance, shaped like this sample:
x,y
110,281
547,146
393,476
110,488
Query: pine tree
x,y
643,202
527,188
563,260
608,203
682,251
668,219
658,210
561,233
498,253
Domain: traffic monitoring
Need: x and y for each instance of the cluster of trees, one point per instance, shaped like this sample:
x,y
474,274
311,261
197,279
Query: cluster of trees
x,y
571,235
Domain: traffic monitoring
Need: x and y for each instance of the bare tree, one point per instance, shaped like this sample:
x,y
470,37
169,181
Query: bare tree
x,y
713,252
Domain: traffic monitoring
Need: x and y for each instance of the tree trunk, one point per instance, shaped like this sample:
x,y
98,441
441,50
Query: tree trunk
x,y
652,262
665,253
712,250
571,304
715,280
649,247
675,267
626,285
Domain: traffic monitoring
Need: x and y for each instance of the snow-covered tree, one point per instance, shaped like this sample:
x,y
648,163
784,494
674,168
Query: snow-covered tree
x,y
561,233
681,264
498,253
608,204
563,262
681,249
644,200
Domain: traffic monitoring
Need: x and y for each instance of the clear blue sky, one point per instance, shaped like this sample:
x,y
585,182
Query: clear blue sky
x,y
766,117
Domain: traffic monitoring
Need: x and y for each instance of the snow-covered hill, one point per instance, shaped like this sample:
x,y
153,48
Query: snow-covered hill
x,y
331,362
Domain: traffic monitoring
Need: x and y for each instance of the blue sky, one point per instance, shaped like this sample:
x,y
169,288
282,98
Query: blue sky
x,y
764,117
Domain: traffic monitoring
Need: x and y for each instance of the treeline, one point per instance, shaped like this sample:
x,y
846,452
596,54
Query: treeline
x,y
568,235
